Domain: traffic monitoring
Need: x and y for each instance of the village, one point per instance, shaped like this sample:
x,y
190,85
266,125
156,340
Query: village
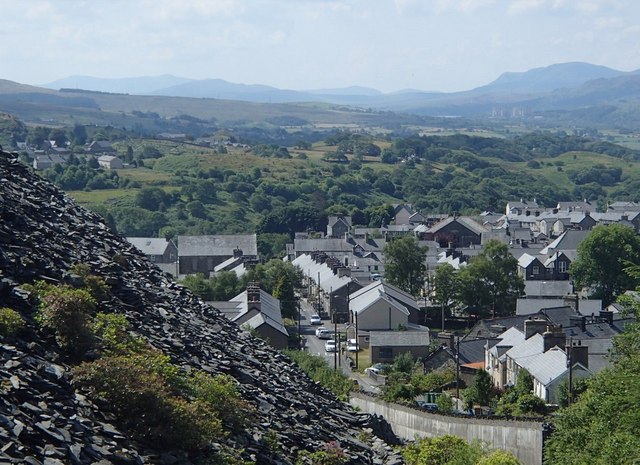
x,y
554,332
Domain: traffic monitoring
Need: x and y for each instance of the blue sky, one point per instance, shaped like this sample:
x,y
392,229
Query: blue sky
x,y
439,45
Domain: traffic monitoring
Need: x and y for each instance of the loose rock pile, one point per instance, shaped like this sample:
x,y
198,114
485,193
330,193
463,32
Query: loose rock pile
x,y
43,420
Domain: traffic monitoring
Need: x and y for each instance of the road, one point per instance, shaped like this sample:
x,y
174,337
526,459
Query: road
x,y
315,345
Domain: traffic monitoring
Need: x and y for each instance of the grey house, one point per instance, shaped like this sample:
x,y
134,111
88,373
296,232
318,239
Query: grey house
x,y
258,311
201,254
163,252
386,345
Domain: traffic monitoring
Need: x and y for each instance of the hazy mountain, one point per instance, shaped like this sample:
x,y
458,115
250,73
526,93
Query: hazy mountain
x,y
549,78
135,85
508,87
221,89
352,90
568,93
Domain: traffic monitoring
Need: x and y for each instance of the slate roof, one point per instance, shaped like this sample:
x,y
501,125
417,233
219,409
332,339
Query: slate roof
x,y
546,366
363,302
491,327
322,245
399,338
391,292
506,340
217,245
269,311
526,349
573,206
329,282
472,350
568,240
149,245
525,260
467,222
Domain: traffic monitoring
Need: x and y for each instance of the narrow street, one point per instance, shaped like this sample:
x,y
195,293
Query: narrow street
x,y
316,346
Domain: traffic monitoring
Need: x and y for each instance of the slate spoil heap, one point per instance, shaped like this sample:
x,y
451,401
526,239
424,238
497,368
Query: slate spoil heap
x,y
43,420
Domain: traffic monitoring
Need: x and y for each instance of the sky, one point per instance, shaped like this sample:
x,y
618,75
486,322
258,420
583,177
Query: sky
x,y
388,45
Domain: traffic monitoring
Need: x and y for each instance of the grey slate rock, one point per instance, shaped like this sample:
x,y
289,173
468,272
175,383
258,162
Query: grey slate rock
x,y
42,234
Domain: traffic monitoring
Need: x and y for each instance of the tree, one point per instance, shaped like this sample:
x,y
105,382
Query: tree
x,y
442,450
59,136
481,390
199,285
491,280
499,457
79,134
152,198
445,287
606,410
602,259
280,279
285,292
404,264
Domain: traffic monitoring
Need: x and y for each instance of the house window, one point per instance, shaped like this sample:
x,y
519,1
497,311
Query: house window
x,y
375,267
535,270
386,353
562,267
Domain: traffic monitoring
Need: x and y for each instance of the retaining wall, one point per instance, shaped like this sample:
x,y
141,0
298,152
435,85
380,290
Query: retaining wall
x,y
523,438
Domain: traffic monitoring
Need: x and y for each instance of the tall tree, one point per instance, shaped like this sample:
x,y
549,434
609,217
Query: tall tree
x,y
404,261
602,259
446,286
607,410
490,283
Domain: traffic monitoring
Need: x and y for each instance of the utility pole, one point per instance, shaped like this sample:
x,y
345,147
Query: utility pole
x,y
299,332
357,341
570,362
335,339
457,369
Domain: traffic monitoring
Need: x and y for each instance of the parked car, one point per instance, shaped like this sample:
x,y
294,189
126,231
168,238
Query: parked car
x,y
315,319
324,333
330,345
376,369
352,345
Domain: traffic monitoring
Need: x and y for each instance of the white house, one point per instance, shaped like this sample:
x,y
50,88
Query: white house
x,y
381,306
110,162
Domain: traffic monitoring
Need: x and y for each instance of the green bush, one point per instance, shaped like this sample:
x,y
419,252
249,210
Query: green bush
x,y
443,450
10,322
316,368
141,390
499,457
331,454
67,313
111,330
220,393
94,284
156,401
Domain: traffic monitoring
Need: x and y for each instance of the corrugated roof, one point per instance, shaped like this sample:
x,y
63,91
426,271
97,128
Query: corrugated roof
x,y
547,366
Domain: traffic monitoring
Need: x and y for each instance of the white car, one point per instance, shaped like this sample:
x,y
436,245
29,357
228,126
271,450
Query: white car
x,y
352,345
330,345
375,369
315,319
323,333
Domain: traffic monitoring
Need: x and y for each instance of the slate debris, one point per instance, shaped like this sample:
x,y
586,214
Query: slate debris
x,y
43,420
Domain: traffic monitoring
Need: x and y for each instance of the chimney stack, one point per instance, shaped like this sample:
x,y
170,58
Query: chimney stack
x,y
534,326
554,337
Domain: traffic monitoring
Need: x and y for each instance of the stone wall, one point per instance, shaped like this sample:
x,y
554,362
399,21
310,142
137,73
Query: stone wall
x,y
522,438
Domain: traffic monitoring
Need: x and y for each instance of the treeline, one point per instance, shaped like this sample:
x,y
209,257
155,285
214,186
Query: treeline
x,y
436,174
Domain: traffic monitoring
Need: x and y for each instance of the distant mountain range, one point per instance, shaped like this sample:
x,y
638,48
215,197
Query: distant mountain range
x,y
561,95
569,86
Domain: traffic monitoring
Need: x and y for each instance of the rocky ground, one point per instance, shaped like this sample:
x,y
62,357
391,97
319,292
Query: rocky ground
x,y
43,420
